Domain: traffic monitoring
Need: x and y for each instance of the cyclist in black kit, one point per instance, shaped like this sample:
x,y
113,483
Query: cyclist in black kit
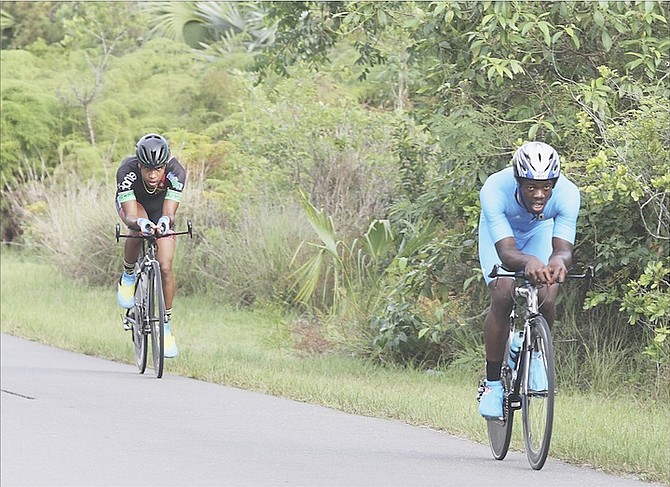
x,y
149,186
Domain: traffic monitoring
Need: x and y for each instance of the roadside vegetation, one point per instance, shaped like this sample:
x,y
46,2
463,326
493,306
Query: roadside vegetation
x,y
264,350
335,151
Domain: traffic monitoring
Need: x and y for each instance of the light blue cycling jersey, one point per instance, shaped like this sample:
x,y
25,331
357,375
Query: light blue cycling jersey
x,y
503,215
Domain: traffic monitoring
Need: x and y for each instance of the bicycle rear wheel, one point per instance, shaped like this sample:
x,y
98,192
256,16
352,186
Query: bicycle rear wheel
x,y
538,406
157,319
500,431
137,331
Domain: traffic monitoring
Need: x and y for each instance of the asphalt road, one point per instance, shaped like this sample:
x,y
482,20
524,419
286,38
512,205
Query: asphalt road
x,y
70,419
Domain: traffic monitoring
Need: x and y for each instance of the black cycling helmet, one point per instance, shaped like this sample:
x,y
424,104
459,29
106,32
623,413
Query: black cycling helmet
x,y
536,160
153,151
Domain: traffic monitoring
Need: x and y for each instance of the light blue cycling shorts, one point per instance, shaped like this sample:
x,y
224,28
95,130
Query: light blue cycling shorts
x,y
538,242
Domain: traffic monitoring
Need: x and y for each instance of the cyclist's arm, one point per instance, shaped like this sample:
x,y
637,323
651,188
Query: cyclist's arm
x,y
515,260
170,209
126,175
534,268
130,214
560,259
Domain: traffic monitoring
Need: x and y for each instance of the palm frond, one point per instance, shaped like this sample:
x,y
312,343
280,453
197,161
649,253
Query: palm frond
x,y
306,278
219,27
321,223
378,238
170,18
7,21
222,17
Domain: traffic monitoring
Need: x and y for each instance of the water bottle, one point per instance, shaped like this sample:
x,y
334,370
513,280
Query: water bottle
x,y
515,346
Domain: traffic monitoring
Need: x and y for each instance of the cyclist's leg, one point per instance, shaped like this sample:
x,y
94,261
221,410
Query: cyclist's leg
x,y
496,328
165,256
547,296
166,247
131,250
496,331
496,323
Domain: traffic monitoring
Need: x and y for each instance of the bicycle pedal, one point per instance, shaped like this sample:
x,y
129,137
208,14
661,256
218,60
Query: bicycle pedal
x,y
130,315
514,402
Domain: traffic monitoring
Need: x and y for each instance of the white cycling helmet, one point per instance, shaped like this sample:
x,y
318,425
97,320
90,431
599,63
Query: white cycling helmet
x,y
536,160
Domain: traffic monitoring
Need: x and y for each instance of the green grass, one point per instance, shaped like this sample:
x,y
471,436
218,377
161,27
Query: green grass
x,y
256,350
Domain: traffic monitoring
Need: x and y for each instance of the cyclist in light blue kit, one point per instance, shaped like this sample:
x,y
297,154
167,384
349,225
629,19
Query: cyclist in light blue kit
x,y
528,222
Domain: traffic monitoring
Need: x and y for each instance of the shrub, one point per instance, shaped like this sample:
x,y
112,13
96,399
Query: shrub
x,y
245,257
73,225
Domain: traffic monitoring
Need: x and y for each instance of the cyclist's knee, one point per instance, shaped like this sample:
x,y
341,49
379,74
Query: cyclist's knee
x,y
502,290
132,249
502,296
547,305
132,244
166,268
548,295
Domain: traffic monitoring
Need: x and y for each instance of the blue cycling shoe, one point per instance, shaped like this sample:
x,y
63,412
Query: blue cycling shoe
x,y
125,293
491,402
538,373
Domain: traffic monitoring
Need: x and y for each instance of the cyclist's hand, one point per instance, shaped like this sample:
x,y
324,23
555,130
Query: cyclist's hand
x,y
163,225
146,226
537,272
557,270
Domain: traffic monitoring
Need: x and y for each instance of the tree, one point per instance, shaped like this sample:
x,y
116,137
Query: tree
x,y
94,31
23,23
498,73
29,118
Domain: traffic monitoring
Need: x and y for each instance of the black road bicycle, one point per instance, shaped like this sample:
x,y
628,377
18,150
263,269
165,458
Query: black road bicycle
x,y
146,320
537,407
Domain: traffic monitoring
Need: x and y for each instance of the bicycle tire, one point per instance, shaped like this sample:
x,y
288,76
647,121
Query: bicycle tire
x,y
138,334
538,407
157,319
500,431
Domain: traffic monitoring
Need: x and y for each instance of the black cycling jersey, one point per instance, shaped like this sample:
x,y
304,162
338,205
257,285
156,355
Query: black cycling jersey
x,y
130,186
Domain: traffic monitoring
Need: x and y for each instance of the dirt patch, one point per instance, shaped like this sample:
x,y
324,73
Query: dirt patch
x,y
308,337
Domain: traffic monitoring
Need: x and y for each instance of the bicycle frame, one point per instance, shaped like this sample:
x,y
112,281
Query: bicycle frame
x,y
145,266
530,293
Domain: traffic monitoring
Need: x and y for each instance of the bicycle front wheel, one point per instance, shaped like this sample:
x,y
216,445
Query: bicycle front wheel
x,y
157,319
538,394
